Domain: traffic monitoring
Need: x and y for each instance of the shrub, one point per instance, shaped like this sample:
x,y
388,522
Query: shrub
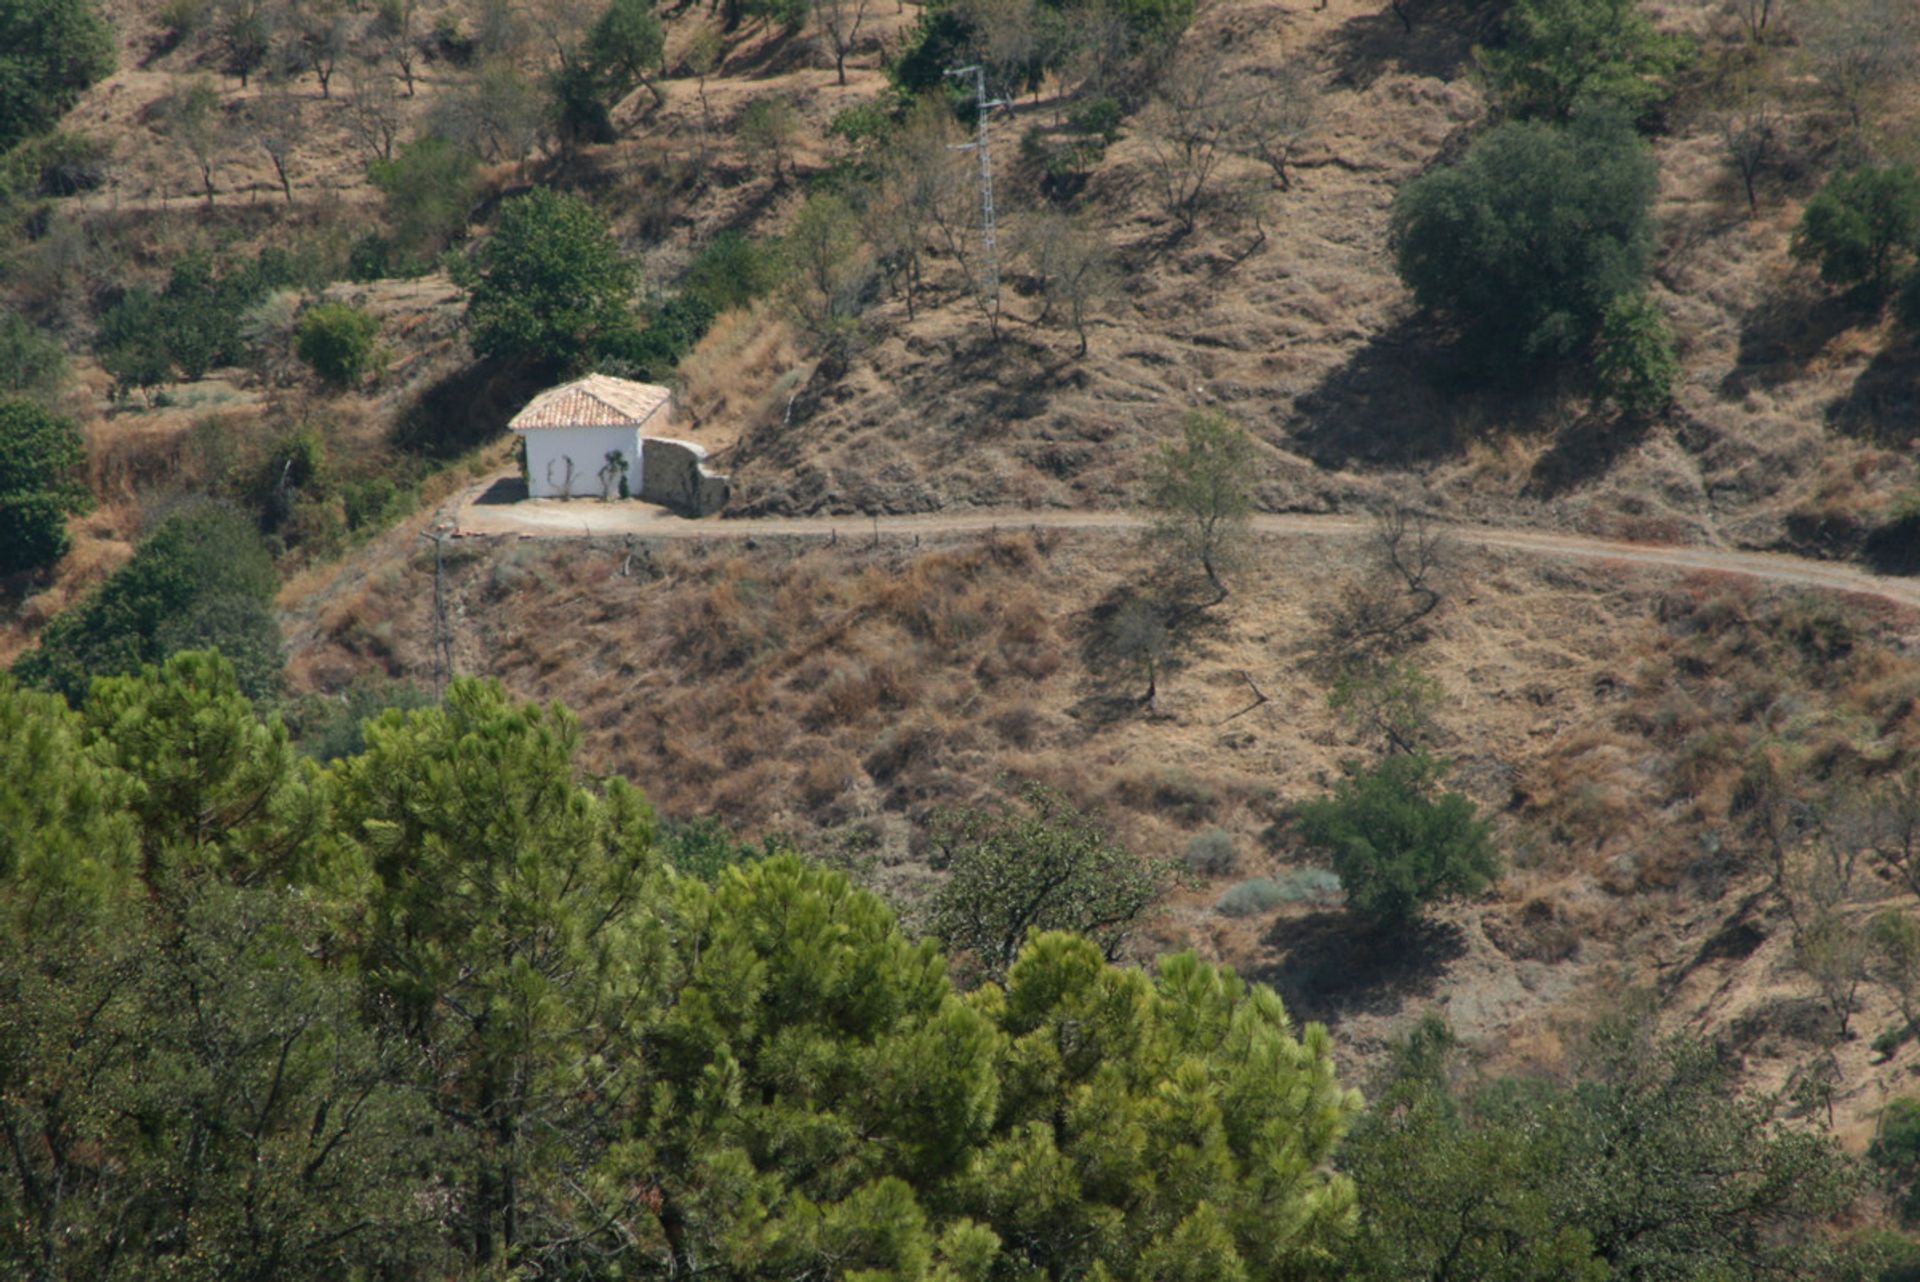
x,y
1906,306
1527,240
54,49
1561,53
731,271
1213,854
1264,894
1895,1151
31,364
550,287
41,457
328,727
337,342
1397,843
429,187
1633,362
203,577
1861,226
1049,866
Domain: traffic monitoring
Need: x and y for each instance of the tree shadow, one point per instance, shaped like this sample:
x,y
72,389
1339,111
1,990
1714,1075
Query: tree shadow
x,y
1434,38
1894,548
1883,405
1413,395
1334,966
1781,337
467,408
1585,451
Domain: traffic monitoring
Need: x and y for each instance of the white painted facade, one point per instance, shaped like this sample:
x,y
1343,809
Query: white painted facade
x,y
549,450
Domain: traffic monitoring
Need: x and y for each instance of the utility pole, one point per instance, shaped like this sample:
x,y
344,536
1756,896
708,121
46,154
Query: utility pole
x,y
979,146
442,627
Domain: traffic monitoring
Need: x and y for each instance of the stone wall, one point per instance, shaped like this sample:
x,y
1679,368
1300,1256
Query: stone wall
x,y
674,474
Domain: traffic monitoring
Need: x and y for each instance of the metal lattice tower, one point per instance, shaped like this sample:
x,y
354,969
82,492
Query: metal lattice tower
x,y
980,146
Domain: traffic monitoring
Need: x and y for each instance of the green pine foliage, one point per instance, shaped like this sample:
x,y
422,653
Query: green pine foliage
x,y
1525,242
1397,841
442,1010
42,483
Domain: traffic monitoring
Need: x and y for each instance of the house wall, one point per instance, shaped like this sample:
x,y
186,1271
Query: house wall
x,y
676,476
549,448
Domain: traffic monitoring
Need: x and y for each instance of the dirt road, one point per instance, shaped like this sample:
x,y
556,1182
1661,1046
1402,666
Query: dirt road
x,y
479,512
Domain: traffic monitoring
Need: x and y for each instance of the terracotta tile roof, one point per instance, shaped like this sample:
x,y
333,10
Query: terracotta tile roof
x,y
593,401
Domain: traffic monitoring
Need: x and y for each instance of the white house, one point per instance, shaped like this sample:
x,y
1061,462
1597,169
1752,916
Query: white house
x,y
583,439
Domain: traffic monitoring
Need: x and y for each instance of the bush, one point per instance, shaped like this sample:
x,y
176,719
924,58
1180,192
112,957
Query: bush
x,y
1526,241
550,287
337,343
330,727
429,186
41,459
54,49
1861,226
1048,866
1213,854
203,578
1263,894
31,364
1559,54
1895,1151
1633,362
1397,843
731,271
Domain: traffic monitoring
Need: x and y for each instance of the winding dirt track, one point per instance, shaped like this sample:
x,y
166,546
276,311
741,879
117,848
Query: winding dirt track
x,y
547,518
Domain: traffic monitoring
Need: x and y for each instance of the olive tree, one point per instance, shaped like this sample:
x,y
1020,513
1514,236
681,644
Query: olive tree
x,y
1200,493
1526,241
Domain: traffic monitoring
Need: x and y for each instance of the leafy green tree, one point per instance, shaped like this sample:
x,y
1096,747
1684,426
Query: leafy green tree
x,y
550,285
42,483
1634,366
1201,493
625,47
202,579
1453,1187
1862,227
506,935
192,1096
1397,842
1526,241
337,342
132,344
429,186
1561,54
1155,1127
31,363
55,49
1649,1166
826,273
1049,866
